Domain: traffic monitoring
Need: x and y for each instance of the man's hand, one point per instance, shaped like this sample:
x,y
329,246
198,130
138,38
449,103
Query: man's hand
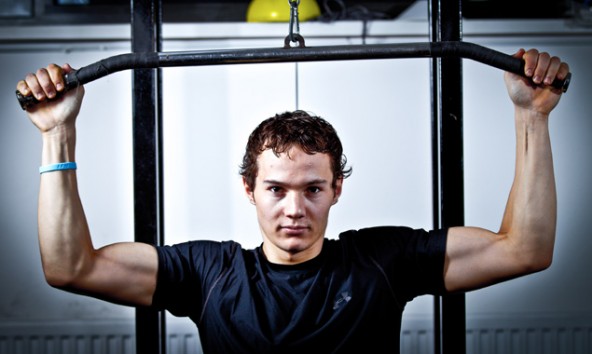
x,y
45,85
542,69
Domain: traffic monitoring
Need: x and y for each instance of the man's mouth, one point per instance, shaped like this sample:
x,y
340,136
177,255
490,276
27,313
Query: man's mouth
x,y
294,229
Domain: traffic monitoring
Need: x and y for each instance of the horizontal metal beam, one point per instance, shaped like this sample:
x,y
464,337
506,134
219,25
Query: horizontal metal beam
x,y
298,54
458,49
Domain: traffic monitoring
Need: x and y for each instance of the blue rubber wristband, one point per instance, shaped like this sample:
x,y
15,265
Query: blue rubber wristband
x,y
58,167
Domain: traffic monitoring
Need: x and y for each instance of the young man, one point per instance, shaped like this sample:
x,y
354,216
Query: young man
x,y
298,291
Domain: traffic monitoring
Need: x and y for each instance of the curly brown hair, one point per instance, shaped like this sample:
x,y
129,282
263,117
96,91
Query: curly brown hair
x,y
281,132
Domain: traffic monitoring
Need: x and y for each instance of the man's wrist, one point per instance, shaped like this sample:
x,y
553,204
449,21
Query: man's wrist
x,y
60,166
58,146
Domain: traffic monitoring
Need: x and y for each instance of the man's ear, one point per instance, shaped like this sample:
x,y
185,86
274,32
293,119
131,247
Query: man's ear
x,y
338,189
248,191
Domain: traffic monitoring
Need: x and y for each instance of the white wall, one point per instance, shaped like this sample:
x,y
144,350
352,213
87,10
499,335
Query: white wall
x,y
489,149
105,179
381,110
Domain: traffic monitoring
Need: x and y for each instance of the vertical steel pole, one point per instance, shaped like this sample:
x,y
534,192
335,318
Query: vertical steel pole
x,y
447,134
146,20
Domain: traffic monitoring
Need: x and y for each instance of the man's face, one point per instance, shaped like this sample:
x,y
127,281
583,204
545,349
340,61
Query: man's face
x,y
293,195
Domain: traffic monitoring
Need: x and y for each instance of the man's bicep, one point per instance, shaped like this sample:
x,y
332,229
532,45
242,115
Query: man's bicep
x,y
476,258
123,273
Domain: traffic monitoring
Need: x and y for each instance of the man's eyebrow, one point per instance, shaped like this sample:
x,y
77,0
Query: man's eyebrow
x,y
309,183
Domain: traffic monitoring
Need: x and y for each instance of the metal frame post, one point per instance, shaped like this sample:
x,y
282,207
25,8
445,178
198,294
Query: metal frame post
x,y
146,20
447,133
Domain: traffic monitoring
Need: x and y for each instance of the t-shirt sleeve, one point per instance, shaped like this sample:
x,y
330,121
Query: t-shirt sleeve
x,y
412,259
184,270
175,287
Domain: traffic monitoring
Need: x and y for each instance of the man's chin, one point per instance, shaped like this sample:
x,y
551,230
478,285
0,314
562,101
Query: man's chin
x,y
294,247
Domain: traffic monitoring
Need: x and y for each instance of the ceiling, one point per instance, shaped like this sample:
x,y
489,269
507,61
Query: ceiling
x,y
47,12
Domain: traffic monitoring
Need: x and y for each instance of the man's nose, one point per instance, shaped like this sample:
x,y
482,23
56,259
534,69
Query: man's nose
x,y
294,207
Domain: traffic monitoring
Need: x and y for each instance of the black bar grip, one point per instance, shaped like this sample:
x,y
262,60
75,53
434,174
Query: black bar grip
x,y
490,57
294,54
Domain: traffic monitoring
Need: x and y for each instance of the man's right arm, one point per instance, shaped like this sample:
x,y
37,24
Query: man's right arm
x,y
123,272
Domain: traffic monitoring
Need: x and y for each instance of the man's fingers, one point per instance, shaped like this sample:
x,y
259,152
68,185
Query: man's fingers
x,y
530,58
543,68
57,76
552,70
536,65
32,82
23,88
45,83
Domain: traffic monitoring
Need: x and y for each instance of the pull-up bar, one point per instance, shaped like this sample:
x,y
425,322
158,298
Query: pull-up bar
x,y
293,54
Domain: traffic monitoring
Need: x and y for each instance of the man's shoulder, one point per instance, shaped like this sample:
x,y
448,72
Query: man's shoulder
x,y
198,248
378,231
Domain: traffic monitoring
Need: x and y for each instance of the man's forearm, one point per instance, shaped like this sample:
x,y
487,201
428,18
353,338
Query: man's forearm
x,y
63,232
530,218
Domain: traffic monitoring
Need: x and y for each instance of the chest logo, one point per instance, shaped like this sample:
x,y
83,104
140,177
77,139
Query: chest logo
x,y
343,299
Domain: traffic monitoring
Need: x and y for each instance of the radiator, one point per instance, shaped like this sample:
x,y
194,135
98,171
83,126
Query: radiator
x,y
530,335
485,335
494,334
89,337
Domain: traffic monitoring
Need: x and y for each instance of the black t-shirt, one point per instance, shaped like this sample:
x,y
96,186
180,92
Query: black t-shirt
x,y
349,299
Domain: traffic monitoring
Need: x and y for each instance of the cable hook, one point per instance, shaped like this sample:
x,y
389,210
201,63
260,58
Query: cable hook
x,y
294,34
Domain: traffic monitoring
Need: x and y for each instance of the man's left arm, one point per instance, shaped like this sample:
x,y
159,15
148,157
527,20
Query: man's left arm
x,y
524,244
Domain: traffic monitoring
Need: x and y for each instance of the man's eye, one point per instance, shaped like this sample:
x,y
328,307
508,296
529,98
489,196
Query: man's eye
x,y
275,189
314,190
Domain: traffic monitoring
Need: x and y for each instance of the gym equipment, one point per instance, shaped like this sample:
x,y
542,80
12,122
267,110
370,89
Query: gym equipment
x,y
299,53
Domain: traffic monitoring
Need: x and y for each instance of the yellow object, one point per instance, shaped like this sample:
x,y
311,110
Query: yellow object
x,y
279,10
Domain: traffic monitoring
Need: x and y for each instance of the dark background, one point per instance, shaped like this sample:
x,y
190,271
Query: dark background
x,y
45,12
